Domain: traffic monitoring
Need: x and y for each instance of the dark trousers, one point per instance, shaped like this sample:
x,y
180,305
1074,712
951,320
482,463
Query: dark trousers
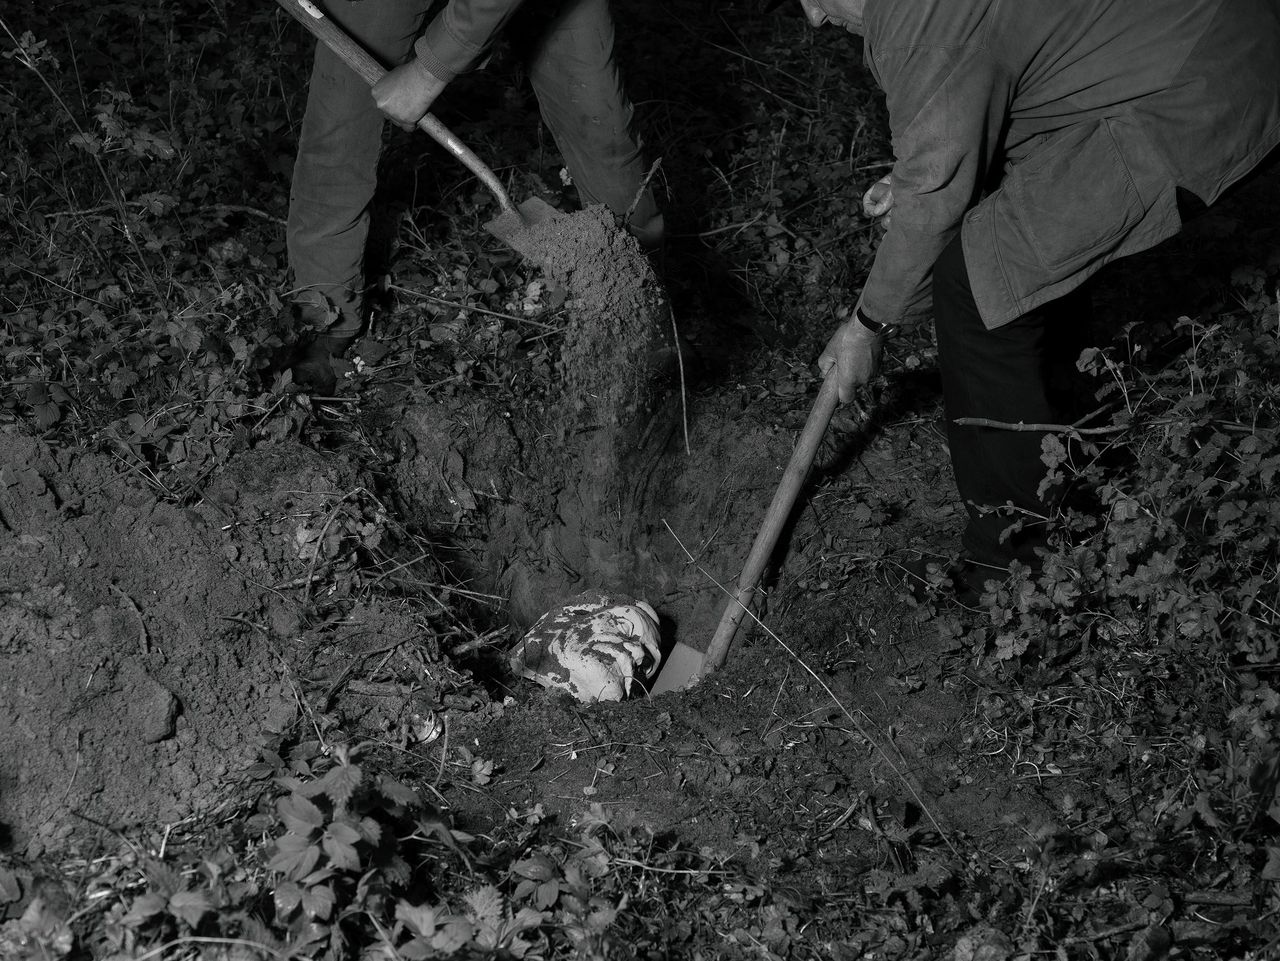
x,y
1022,372
575,77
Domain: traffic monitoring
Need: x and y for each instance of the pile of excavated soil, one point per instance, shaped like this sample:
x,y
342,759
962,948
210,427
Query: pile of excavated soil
x,y
143,645
618,314
562,487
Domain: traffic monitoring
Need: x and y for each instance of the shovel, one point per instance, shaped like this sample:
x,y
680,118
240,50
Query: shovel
x,y
685,666
512,220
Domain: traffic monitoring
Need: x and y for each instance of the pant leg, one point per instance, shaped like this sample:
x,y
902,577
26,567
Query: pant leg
x,y
335,172
1004,375
580,93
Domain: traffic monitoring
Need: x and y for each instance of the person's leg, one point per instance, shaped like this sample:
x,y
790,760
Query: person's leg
x,y
999,375
580,94
335,173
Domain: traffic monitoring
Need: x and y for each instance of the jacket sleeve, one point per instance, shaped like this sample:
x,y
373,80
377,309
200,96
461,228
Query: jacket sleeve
x,y
947,107
460,33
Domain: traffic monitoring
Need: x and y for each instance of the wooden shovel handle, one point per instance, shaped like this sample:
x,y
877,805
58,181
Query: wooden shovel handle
x,y
774,521
368,69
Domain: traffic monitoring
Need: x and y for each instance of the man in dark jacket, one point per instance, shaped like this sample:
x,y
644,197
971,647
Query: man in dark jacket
x,y
1036,141
572,71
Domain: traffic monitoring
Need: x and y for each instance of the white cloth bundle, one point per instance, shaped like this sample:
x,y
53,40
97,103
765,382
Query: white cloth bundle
x,y
594,647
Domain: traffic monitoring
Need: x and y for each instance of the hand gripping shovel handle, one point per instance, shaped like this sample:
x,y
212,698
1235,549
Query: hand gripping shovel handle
x,y
358,59
774,521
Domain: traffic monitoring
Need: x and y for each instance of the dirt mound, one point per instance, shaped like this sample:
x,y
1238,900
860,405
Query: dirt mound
x,y
618,314
139,657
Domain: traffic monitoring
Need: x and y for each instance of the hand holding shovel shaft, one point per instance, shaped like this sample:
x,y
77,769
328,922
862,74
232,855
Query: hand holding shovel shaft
x,y
359,60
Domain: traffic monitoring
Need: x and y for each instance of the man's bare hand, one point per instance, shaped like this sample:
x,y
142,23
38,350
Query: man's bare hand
x,y
877,202
406,93
855,351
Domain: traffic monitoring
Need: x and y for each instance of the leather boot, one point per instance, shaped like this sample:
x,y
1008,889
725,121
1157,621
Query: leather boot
x,y
313,364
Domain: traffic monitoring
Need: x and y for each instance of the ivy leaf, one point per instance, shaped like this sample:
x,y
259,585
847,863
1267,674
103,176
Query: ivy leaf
x,y
190,906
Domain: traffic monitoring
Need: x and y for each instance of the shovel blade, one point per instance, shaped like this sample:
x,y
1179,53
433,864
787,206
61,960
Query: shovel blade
x,y
509,225
680,670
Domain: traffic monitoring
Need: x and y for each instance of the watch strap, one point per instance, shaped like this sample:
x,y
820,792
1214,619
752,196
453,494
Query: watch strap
x,y
877,328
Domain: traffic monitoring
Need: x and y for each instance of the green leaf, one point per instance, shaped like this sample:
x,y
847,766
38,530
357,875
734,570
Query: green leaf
x,y
343,831
287,897
486,906
417,950
10,887
190,906
538,867
295,864
340,783
342,853
547,895
370,830
318,902
393,790
299,815
419,918
46,415
1271,870
317,877
143,908
455,933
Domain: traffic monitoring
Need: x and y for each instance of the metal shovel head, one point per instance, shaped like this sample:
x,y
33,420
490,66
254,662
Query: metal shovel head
x,y
509,225
681,667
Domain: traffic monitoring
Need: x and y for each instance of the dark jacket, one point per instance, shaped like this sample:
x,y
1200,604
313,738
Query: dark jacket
x,y
1054,133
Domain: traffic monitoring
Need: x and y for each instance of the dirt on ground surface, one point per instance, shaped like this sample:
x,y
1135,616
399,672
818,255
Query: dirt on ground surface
x,y
342,577
150,647
139,666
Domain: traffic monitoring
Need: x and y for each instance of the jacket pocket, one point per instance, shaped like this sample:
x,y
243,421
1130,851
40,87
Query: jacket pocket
x,y
1075,195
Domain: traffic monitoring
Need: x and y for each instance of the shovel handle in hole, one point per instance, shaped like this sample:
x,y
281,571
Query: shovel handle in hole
x,y
774,521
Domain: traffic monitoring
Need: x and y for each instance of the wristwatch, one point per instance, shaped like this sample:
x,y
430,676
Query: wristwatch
x,y
880,330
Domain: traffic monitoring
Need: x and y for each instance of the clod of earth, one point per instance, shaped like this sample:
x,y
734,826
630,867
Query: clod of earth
x,y
593,647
